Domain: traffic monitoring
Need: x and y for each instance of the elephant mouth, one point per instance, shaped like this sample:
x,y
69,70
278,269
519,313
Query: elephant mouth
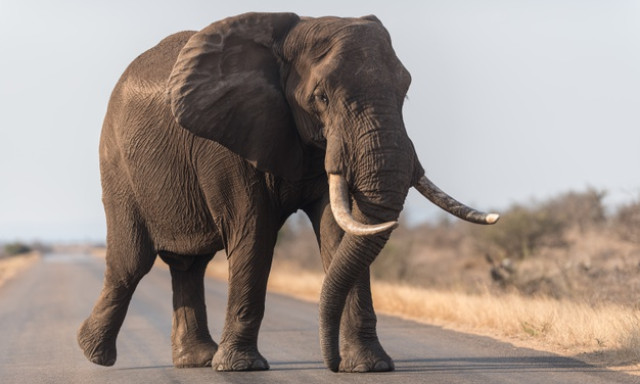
x,y
339,199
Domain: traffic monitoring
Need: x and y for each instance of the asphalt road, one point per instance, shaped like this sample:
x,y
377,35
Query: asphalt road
x,y
41,309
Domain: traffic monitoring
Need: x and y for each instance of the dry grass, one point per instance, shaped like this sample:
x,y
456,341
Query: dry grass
x,y
11,266
605,335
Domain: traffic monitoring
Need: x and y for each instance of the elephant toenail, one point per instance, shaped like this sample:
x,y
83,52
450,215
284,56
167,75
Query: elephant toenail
x,y
259,365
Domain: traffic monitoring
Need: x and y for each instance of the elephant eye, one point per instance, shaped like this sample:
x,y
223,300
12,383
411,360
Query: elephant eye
x,y
321,97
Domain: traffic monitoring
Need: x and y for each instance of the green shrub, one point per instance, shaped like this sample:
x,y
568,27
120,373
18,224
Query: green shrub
x,y
520,232
16,248
583,210
627,222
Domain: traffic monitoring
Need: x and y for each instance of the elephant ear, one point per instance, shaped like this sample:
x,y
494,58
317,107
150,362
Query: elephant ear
x,y
226,86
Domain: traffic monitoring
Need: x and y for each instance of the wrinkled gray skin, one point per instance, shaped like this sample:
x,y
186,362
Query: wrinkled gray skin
x,y
212,139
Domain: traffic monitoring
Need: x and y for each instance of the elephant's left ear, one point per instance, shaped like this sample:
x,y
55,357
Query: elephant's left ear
x,y
226,86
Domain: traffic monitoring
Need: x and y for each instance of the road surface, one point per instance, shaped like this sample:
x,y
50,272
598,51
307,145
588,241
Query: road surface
x,y
41,309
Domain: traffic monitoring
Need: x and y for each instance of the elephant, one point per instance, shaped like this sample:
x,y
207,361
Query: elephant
x,y
213,138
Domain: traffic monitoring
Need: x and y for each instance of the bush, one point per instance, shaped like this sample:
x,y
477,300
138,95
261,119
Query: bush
x,y
627,222
584,210
16,248
392,264
520,232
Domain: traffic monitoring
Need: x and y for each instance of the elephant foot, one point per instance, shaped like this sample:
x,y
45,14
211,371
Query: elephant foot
x,y
194,356
239,359
365,359
97,347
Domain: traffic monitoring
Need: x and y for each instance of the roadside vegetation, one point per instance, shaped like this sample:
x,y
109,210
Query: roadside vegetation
x,y
13,249
561,275
15,257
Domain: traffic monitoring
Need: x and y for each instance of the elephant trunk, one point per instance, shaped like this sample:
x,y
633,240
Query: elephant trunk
x,y
353,257
377,187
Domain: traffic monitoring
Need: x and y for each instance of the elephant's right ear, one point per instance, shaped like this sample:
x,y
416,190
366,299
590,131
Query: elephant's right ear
x,y
226,86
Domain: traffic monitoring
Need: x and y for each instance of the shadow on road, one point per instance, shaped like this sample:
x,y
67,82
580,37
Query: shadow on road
x,y
497,364
454,365
296,365
143,368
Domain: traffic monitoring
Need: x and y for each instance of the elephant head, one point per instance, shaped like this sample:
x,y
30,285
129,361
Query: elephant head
x,y
278,90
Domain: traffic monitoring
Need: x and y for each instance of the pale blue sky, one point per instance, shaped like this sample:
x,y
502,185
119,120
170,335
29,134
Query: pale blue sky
x,y
510,101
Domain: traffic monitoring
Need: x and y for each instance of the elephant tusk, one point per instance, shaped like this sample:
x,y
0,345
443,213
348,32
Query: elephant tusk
x,y
339,199
451,205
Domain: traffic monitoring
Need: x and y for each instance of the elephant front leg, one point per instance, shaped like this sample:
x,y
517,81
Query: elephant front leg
x,y
248,274
360,349
191,342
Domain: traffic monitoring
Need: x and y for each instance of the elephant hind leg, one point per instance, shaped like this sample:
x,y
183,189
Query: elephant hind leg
x,y
130,256
192,345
